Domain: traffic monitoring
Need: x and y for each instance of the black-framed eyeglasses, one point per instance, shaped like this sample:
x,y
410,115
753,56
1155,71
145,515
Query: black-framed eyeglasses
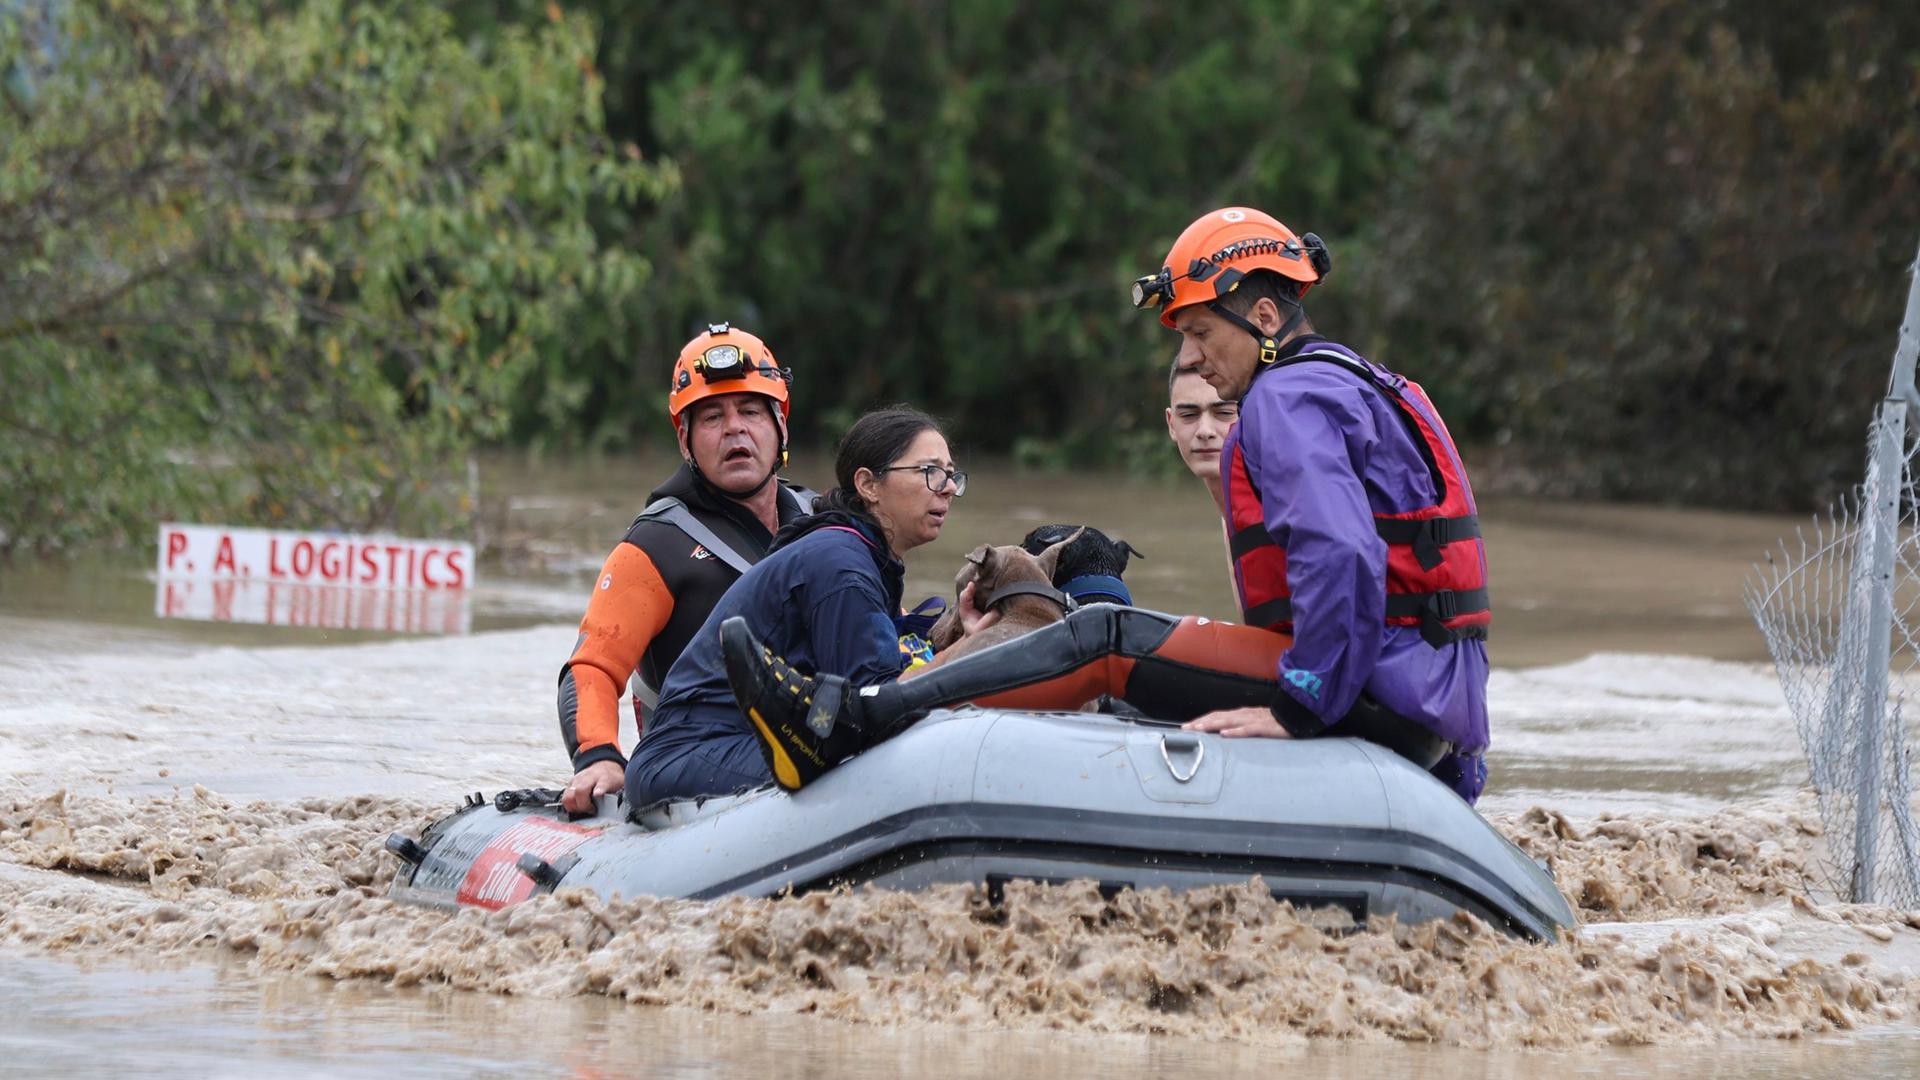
x,y
936,477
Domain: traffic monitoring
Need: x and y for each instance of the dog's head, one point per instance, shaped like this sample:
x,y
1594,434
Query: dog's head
x,y
993,568
1087,551
990,569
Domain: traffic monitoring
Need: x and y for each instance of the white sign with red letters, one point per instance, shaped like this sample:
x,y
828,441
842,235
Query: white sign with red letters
x,y
330,580
381,562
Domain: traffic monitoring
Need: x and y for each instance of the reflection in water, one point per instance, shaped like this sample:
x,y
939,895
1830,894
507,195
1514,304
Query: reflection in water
x,y
324,607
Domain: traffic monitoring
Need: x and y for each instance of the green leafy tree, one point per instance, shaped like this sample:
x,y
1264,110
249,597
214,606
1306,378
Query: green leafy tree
x,y
1655,250
284,263
946,203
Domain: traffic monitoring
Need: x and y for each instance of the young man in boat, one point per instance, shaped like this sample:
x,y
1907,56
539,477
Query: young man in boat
x,y
1198,420
1353,535
702,528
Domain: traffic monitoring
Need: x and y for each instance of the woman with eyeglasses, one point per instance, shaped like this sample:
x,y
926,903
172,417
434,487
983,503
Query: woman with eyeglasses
x,y
826,597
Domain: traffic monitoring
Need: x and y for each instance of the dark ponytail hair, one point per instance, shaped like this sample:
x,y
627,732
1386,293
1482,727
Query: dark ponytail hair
x,y
874,442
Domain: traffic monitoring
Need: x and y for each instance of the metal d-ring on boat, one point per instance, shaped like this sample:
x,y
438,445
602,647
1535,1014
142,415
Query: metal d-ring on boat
x,y
988,796
1188,743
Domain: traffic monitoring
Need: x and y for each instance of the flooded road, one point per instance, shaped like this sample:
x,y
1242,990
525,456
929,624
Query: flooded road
x,y
190,816
219,1019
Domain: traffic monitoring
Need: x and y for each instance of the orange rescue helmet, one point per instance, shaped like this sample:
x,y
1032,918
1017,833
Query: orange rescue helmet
x,y
1219,250
726,361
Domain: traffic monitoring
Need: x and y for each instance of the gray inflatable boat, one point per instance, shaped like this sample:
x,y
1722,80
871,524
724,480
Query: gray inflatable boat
x,y
990,796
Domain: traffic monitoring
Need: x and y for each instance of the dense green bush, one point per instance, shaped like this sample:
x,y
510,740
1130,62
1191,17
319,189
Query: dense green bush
x,y
284,263
1656,250
946,203
1620,243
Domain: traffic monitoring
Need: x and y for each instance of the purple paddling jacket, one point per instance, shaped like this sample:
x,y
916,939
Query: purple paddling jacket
x,y
1326,450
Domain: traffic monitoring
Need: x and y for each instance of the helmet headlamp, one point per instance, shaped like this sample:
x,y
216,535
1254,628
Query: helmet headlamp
x,y
1154,289
722,362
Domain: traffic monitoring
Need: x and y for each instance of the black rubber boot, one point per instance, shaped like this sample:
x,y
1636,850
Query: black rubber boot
x,y
807,723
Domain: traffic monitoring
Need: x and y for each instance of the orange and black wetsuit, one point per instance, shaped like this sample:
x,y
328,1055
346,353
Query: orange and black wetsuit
x,y
1168,666
650,597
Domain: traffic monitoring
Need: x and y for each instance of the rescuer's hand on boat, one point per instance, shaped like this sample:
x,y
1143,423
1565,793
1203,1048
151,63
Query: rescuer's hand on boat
x,y
1239,723
597,779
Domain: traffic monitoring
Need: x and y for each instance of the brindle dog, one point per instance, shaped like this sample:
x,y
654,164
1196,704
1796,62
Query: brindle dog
x,y
1016,582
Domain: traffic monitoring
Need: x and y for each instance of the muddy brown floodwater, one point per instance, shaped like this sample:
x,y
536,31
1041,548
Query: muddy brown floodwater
x,y
191,880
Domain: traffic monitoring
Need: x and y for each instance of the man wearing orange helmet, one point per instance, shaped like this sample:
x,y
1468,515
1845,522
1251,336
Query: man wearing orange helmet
x,y
701,529
1353,534
1351,524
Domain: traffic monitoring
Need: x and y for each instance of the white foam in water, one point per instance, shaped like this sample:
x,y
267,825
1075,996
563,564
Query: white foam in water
x,y
1680,678
1658,788
443,715
1662,732
420,716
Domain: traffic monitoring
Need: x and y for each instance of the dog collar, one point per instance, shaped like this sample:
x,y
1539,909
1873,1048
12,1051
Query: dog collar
x,y
1029,588
1097,588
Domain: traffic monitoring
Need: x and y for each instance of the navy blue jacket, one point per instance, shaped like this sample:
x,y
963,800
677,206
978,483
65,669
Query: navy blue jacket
x,y
824,598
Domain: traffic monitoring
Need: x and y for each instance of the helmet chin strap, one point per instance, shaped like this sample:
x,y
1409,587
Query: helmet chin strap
x,y
1269,343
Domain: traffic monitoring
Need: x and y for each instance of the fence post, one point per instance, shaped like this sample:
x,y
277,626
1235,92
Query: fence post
x,y
1882,522
1886,484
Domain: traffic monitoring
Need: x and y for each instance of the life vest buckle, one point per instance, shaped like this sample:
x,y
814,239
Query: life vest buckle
x,y
1441,605
1427,540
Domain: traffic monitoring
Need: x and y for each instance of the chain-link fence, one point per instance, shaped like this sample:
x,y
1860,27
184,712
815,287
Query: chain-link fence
x,y
1818,600
1839,606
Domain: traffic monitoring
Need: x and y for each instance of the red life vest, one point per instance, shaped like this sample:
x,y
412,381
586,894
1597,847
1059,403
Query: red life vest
x,y
1436,561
